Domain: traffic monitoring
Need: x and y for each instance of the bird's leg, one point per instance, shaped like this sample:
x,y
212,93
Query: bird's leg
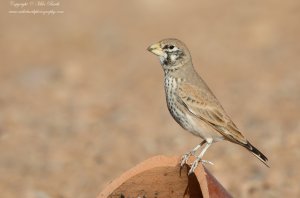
x,y
186,156
199,158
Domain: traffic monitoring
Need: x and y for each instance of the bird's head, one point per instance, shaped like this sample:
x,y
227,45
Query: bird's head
x,y
171,52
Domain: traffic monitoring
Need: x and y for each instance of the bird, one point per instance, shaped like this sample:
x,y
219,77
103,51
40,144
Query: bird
x,y
193,105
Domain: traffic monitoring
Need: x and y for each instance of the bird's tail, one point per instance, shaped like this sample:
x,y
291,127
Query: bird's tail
x,y
256,153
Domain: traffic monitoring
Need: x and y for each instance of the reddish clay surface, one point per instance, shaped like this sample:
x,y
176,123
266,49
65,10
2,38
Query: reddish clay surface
x,y
162,177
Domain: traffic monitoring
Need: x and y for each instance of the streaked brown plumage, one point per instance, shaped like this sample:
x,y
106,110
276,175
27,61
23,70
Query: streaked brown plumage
x,y
192,104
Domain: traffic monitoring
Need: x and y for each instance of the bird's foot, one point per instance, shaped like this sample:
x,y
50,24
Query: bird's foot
x,y
195,164
186,157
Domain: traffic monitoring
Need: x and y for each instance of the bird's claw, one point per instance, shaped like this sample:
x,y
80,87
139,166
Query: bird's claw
x,y
207,162
195,164
186,157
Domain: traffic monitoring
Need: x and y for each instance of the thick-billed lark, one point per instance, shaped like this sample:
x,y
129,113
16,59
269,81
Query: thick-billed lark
x,y
193,105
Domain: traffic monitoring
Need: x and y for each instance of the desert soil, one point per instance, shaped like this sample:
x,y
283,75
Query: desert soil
x,y
81,100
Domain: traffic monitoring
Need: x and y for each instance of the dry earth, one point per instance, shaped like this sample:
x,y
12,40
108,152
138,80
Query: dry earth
x,y
81,100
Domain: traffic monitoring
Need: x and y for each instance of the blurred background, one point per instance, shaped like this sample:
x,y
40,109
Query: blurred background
x,y
82,101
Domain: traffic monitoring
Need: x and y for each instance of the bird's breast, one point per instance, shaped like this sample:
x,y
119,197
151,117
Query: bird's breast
x,y
176,110
171,85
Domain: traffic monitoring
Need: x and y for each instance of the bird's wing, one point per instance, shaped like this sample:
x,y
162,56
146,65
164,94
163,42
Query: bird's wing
x,y
206,107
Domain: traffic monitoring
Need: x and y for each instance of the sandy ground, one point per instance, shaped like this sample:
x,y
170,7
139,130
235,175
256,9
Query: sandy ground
x,y
82,101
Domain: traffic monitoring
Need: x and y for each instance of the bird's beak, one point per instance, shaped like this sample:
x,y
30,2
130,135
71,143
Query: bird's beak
x,y
156,49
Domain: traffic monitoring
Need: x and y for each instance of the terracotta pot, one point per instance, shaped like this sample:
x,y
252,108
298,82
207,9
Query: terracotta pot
x,y
161,177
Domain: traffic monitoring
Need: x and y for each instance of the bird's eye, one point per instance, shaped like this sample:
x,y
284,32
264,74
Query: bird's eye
x,y
171,47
